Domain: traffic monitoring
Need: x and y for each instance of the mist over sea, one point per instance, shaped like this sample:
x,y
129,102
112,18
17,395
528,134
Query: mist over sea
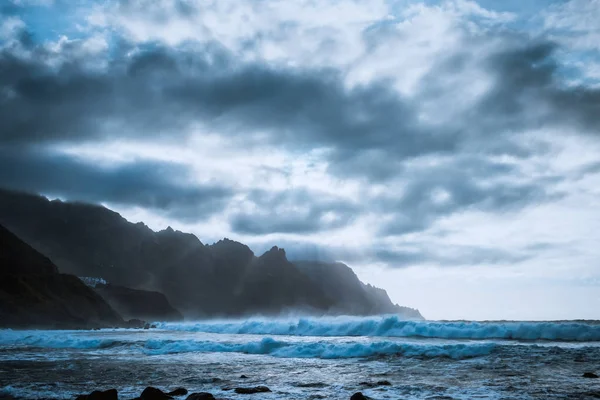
x,y
298,358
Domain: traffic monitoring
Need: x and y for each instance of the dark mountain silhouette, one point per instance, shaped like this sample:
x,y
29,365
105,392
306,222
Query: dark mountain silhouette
x,y
34,294
351,295
138,304
223,279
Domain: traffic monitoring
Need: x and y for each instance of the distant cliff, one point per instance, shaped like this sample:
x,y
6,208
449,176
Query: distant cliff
x,y
350,294
223,279
138,304
34,294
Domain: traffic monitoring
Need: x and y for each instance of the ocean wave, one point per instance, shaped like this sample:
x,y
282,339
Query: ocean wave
x,y
322,349
393,326
55,340
326,349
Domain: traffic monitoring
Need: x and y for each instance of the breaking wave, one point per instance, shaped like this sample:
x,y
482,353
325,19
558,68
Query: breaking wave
x,y
326,350
55,340
393,326
266,346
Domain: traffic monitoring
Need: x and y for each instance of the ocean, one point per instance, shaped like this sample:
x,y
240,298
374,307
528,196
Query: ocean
x,y
383,357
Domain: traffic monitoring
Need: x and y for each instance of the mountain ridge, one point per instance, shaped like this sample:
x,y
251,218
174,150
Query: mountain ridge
x,y
200,280
34,294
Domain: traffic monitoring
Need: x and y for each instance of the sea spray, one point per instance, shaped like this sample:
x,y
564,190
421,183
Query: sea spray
x,y
393,326
325,349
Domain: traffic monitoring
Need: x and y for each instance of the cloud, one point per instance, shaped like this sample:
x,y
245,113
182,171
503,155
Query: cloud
x,y
458,185
529,92
574,22
409,255
159,89
293,211
158,186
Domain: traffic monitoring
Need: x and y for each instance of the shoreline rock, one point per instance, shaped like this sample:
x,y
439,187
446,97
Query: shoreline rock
x,y
252,390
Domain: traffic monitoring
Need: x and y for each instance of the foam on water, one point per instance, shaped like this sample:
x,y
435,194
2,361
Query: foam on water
x,y
54,339
310,358
323,349
326,349
393,326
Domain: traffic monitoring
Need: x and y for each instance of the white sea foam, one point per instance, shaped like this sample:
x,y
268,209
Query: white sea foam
x,y
393,326
323,349
328,349
54,339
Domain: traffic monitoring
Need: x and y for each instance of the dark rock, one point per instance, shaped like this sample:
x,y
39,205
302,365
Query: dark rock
x,y
200,396
141,304
378,383
225,278
590,375
6,396
34,294
135,323
351,296
252,390
153,326
359,396
312,385
146,326
152,393
243,377
110,394
178,392
590,395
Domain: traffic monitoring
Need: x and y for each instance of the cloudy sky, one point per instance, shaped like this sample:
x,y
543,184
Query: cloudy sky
x,y
449,151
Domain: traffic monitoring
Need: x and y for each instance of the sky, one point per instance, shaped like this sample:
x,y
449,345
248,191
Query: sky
x,y
448,151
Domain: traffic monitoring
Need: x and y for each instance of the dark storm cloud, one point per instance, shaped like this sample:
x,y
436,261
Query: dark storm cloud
x,y
431,193
529,90
450,256
293,211
158,88
154,185
150,92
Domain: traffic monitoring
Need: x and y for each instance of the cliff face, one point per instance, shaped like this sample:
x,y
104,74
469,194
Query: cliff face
x,y
223,279
34,294
138,304
351,295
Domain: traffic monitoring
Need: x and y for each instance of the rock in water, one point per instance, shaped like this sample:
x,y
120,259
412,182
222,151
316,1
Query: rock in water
x,y
178,392
378,383
359,396
110,394
200,396
257,389
590,375
152,393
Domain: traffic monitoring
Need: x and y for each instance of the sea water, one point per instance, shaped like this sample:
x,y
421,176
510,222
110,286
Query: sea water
x,y
303,358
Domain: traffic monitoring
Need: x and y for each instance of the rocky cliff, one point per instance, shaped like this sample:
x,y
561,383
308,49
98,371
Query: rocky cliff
x,y
222,279
34,294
